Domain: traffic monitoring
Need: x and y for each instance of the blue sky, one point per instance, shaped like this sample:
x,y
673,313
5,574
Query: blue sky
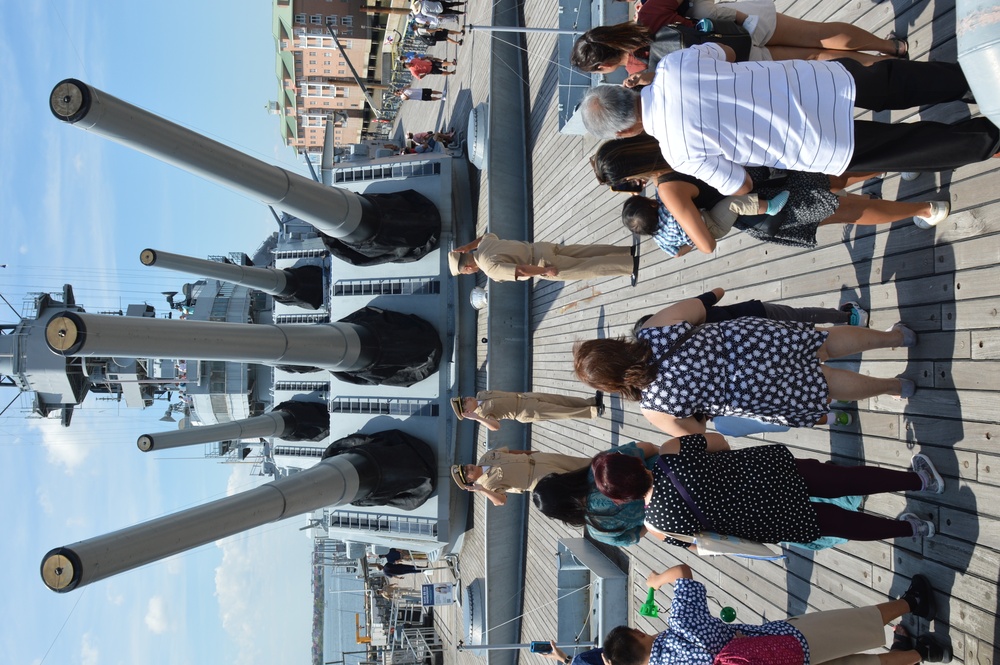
x,y
77,208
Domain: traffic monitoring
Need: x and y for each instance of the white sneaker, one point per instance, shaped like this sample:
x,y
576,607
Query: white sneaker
x,y
939,212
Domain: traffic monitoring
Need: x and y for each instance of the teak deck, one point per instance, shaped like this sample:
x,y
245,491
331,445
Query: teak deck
x,y
945,283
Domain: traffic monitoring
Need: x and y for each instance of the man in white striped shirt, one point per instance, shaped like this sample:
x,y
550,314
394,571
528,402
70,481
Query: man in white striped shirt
x,y
712,116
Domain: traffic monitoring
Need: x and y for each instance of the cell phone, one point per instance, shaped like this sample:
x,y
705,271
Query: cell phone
x,y
631,186
540,647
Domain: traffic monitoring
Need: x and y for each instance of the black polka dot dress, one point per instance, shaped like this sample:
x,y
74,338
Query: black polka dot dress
x,y
753,492
810,201
750,367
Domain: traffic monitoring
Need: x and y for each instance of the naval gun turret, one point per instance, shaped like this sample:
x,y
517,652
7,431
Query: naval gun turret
x,y
302,285
364,229
289,421
389,468
370,346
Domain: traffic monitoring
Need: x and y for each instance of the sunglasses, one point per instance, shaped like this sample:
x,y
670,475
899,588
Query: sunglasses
x,y
629,186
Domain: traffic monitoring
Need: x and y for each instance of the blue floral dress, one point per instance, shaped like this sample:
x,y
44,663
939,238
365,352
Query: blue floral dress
x,y
756,368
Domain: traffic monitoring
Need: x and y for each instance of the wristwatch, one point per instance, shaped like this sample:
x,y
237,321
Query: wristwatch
x,y
568,659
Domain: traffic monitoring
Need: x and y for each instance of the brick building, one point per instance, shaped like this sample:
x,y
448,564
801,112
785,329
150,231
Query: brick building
x,y
314,81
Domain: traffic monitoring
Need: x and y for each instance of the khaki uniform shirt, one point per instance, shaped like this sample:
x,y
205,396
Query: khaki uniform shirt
x,y
498,259
516,472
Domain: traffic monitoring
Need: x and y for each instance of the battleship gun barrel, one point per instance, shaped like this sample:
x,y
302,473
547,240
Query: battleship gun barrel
x,y
301,286
269,424
336,212
335,481
330,346
269,280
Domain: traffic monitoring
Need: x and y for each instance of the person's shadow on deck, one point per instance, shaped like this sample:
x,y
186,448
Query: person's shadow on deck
x,y
845,443
932,421
612,401
933,418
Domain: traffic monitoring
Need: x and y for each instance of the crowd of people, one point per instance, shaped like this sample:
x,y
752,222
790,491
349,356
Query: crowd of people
x,y
761,366
752,128
431,22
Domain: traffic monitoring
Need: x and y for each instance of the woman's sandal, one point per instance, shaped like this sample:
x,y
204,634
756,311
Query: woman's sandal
x,y
900,44
901,640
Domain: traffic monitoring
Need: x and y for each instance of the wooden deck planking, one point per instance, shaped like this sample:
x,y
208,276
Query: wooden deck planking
x,y
945,281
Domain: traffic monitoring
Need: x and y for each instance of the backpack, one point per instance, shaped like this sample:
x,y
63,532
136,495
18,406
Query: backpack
x,y
674,37
761,650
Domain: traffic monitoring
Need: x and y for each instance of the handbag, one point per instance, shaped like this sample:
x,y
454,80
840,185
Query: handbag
x,y
708,541
761,650
674,37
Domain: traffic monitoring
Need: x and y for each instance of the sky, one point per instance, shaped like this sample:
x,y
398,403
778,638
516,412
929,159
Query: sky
x,y
77,208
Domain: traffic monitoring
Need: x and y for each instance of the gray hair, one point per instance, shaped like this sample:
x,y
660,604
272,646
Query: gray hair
x,y
609,109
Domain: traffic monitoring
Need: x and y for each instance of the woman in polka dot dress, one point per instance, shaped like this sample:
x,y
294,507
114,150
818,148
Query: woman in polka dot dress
x,y
757,368
759,493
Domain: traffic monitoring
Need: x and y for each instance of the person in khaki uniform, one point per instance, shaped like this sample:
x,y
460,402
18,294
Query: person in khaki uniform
x,y
502,470
489,407
510,260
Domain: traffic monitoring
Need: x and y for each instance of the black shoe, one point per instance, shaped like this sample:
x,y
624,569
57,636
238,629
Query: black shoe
x,y
599,403
635,270
920,598
933,650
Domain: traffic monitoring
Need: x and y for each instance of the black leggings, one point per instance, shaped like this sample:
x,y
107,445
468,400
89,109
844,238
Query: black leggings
x,y
831,481
775,312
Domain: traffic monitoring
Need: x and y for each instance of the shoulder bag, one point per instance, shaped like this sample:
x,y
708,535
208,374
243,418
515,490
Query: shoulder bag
x,y
674,37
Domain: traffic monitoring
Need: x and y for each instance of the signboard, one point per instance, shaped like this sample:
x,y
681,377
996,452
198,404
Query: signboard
x,y
442,593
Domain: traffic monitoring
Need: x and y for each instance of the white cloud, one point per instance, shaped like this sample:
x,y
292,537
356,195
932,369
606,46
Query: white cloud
x,y
174,565
246,592
62,449
89,654
113,597
44,500
156,615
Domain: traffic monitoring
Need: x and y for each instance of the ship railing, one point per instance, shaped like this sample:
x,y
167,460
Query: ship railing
x,y
401,169
303,386
319,317
300,254
390,524
421,641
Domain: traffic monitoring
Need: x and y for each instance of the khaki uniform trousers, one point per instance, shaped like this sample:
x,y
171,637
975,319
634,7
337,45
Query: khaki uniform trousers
x,y
533,407
498,259
584,261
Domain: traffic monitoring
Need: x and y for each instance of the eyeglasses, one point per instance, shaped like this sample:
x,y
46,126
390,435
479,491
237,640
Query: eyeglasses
x,y
632,186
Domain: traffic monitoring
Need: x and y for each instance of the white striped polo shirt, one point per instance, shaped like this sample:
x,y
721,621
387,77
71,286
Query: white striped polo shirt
x,y
712,117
